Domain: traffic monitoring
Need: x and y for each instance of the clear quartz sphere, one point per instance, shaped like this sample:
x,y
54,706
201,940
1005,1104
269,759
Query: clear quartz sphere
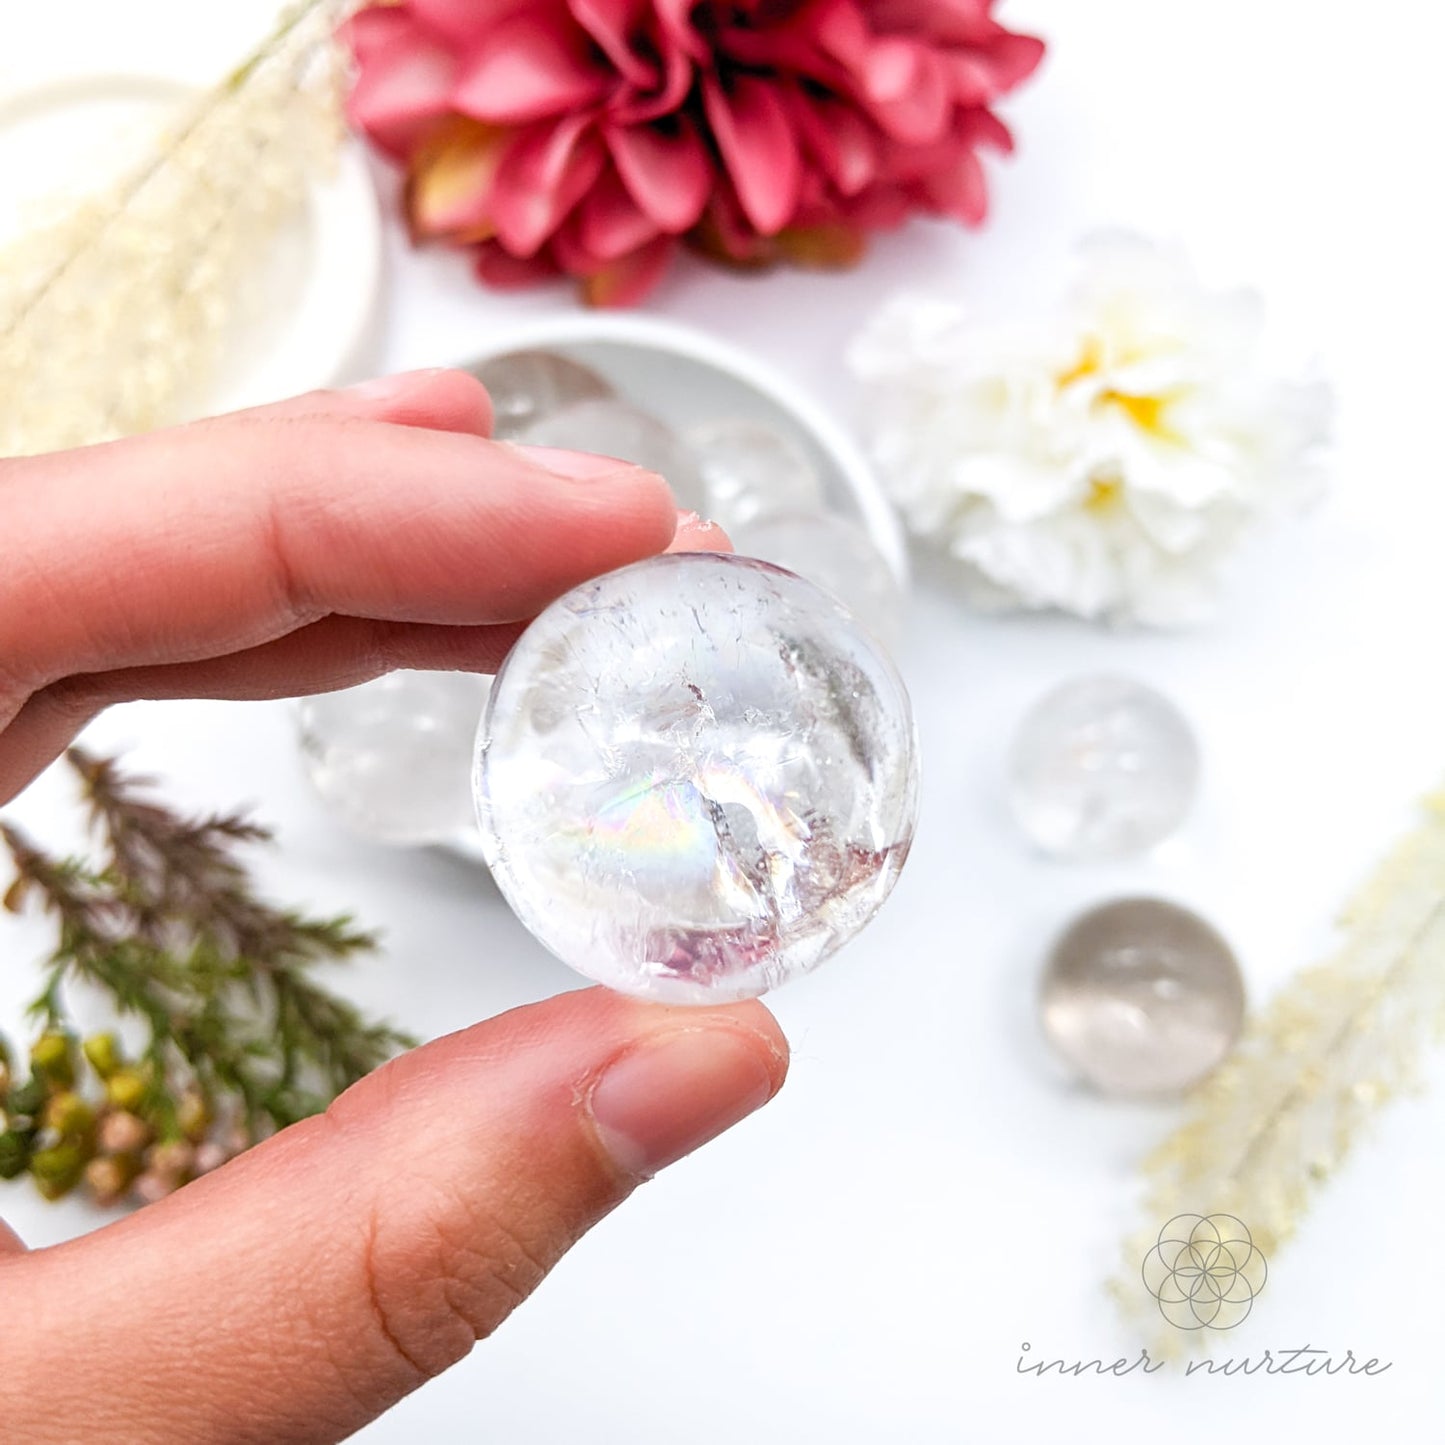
x,y
697,778
618,429
1142,997
834,553
750,470
392,758
526,386
1103,768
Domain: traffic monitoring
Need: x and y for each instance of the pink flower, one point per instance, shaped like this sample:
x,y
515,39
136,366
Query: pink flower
x,y
592,137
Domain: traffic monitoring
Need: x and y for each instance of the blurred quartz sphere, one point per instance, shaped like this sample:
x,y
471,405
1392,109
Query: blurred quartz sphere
x,y
612,428
526,386
836,554
392,758
697,778
750,470
1103,768
1142,997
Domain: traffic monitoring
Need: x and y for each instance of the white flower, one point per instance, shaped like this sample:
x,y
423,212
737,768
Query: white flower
x,y
1103,461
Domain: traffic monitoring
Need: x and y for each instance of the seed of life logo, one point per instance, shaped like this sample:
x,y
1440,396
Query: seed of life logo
x,y
1205,1271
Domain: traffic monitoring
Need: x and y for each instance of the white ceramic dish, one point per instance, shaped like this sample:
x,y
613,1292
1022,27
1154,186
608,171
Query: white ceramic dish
x,y
72,134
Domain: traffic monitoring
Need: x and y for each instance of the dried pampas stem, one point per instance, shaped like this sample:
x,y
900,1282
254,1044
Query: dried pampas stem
x,y
112,317
1279,1117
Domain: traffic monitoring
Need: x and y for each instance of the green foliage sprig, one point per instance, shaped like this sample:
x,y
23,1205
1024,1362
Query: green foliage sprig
x,y
240,1040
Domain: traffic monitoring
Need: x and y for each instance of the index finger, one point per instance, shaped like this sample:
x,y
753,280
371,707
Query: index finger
x,y
224,535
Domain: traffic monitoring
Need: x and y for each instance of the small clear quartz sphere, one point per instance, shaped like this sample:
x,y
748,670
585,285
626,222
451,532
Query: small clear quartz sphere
x,y
697,778
617,429
1142,997
1103,768
526,386
750,470
834,553
392,758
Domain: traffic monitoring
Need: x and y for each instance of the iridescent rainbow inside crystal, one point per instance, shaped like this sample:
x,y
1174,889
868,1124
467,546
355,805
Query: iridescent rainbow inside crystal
x,y
697,778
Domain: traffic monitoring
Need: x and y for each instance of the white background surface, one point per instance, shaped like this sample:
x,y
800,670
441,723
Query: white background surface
x,y
861,1262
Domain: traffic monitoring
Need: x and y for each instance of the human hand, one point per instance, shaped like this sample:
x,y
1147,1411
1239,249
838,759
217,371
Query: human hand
x,y
303,1288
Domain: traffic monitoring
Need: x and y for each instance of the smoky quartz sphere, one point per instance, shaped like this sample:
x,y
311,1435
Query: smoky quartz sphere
x,y
697,778
1142,997
1103,768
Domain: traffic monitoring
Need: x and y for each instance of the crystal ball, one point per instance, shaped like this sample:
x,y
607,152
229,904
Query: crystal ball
x,y
1142,997
392,758
613,428
1103,768
526,386
836,554
750,470
697,778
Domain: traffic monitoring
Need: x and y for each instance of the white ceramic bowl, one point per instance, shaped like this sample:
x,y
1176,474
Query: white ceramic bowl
x,y
685,377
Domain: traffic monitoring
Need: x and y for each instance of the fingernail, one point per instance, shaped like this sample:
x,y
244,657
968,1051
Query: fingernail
x,y
579,465
670,1095
383,388
697,534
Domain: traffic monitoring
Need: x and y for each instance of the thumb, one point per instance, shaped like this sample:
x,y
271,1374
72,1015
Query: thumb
x,y
301,1290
